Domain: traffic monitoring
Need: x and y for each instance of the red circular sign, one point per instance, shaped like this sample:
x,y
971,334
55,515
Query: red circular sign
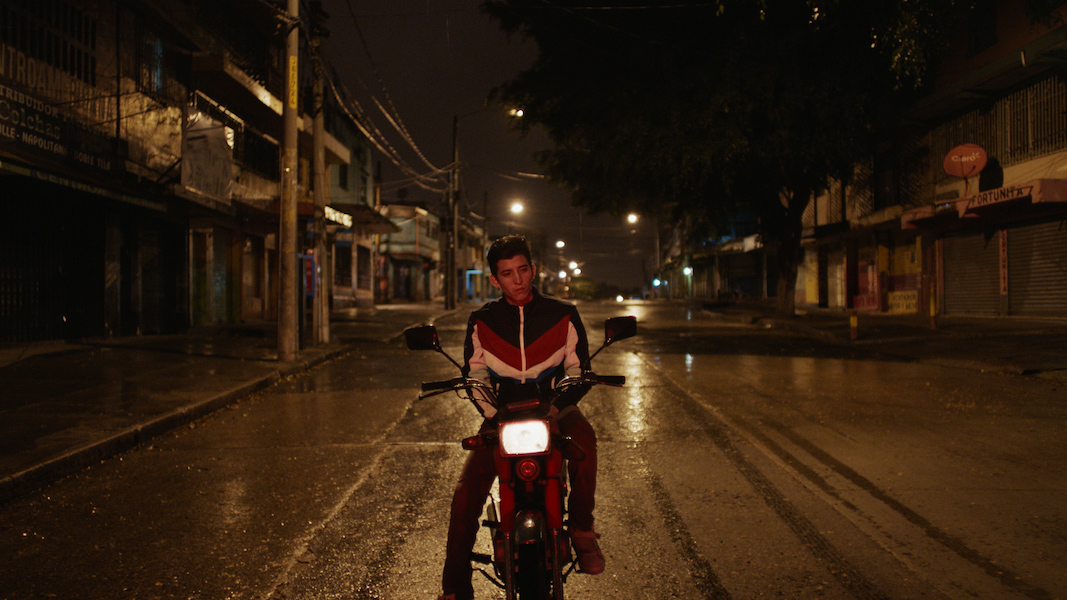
x,y
965,161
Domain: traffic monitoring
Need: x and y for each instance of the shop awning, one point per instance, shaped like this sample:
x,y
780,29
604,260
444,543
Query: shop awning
x,y
933,216
364,219
1004,204
1037,191
360,218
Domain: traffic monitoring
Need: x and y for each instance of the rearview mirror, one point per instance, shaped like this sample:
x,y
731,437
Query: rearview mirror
x,y
619,328
422,337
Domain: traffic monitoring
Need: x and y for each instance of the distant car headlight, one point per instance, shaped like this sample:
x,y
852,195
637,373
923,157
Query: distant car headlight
x,y
520,438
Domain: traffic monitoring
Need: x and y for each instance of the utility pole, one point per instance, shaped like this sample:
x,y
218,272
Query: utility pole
x,y
288,301
321,312
452,241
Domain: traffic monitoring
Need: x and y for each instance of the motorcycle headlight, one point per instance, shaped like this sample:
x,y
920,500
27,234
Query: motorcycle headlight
x,y
524,437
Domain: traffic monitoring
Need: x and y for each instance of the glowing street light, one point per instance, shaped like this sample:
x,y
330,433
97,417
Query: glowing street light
x,y
517,208
560,243
572,265
562,274
631,218
577,272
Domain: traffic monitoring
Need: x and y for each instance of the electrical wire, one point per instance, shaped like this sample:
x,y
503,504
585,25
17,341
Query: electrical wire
x,y
376,137
392,114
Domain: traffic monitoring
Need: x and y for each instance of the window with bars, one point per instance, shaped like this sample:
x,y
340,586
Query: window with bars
x,y
1027,124
253,150
57,32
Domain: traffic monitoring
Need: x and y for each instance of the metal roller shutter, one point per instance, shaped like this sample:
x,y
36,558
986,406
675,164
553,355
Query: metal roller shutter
x,y
972,274
1037,269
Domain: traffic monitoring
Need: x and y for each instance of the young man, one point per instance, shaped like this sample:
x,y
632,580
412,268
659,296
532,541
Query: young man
x,y
522,339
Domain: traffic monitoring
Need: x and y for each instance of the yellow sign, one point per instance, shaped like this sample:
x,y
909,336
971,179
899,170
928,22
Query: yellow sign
x,y
904,301
292,82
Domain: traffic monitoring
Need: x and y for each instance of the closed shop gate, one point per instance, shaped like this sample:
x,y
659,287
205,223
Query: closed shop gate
x,y
972,274
1037,269
51,264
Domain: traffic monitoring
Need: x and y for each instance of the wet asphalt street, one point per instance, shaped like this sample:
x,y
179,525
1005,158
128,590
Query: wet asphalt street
x,y
737,463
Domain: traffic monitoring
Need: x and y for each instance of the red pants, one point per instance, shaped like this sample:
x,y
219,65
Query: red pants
x,y
472,490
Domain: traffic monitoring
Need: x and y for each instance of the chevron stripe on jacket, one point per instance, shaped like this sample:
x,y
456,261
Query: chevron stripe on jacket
x,y
539,342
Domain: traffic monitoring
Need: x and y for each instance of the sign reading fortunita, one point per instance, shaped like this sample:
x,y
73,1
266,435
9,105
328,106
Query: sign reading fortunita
x,y
1004,194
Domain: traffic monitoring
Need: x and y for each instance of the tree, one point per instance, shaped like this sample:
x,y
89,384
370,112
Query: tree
x,y
708,109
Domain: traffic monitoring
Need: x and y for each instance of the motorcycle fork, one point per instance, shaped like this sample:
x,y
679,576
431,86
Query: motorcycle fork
x,y
553,492
551,482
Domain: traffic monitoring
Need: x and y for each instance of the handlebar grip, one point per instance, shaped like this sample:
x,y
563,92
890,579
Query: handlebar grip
x,y
433,386
611,379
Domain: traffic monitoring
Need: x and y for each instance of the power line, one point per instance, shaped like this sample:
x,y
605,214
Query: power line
x,y
394,116
378,139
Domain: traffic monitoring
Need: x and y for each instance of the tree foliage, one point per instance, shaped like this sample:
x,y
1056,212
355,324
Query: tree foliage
x,y
709,108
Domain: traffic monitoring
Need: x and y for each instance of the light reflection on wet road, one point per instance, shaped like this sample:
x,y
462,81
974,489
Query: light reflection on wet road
x,y
737,463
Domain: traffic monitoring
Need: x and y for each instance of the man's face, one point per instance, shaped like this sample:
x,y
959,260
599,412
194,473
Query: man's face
x,y
514,278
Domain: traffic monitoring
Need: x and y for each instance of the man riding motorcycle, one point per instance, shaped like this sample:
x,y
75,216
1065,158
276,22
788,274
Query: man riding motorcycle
x,y
522,343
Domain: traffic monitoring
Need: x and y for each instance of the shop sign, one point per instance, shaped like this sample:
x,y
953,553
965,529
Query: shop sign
x,y
1004,194
965,161
906,301
338,217
1003,262
34,127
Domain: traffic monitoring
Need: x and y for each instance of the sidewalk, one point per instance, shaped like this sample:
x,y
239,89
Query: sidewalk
x,y
1012,345
64,406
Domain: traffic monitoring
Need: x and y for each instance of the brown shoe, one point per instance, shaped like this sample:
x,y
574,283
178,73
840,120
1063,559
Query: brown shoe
x,y
590,558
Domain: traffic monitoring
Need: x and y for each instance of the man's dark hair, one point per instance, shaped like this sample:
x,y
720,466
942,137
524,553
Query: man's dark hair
x,y
507,247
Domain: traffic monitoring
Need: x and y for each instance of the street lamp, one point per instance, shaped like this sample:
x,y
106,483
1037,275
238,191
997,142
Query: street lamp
x,y
633,219
452,205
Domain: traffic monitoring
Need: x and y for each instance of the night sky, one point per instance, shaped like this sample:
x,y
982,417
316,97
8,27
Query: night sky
x,y
432,59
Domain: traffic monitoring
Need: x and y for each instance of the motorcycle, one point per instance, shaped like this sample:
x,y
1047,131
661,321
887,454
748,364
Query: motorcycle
x,y
531,555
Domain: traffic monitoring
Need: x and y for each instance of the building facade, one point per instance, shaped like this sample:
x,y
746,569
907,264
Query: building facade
x,y
913,234
139,152
409,261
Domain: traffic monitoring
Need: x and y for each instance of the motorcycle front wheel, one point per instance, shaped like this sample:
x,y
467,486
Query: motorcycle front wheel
x,y
533,581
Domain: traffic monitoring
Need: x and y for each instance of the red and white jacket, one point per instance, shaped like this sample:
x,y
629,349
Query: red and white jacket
x,y
537,343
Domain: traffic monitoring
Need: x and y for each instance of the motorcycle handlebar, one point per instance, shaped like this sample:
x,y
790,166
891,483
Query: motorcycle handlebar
x,y
591,378
611,379
434,386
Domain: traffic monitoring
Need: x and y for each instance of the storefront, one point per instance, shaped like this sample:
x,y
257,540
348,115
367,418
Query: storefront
x,y
1002,251
353,228
78,260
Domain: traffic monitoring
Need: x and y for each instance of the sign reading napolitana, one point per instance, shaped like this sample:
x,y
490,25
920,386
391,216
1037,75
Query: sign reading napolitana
x,y
31,124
